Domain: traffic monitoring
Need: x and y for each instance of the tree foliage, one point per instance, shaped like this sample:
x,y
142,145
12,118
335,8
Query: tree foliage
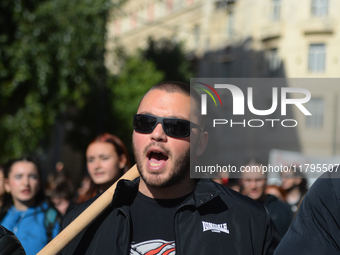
x,y
136,77
170,58
51,57
52,68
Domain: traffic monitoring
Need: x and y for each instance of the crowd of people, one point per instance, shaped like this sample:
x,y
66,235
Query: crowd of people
x,y
33,212
164,211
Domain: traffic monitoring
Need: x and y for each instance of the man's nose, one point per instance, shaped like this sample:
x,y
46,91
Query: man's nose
x,y
158,133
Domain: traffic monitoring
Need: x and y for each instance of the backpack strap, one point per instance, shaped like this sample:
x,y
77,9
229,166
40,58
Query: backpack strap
x,y
51,218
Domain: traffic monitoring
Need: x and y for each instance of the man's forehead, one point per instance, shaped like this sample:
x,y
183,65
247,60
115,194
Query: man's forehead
x,y
173,104
157,96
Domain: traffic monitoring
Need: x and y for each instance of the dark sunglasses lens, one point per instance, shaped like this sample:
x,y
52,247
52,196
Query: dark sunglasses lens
x,y
176,127
144,124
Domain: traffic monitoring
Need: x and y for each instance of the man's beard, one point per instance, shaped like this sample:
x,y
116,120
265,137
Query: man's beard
x,y
176,175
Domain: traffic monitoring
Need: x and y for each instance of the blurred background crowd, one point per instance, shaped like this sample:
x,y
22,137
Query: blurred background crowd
x,y
34,211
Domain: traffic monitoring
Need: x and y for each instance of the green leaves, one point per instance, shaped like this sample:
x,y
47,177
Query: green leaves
x,y
52,67
135,79
51,57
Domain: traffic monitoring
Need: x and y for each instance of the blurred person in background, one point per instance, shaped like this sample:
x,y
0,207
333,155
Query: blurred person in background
x,y
84,185
295,184
62,197
316,227
27,214
253,184
60,190
58,176
276,191
107,160
2,186
234,184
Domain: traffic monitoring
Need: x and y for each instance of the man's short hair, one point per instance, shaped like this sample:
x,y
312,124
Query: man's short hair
x,y
183,88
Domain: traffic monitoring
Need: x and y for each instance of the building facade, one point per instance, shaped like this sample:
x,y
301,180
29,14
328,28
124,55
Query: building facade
x,y
246,38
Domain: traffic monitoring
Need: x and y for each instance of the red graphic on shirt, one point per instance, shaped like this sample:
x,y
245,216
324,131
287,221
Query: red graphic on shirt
x,y
153,247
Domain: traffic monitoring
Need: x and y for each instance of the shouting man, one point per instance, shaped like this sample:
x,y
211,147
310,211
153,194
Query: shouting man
x,y
165,211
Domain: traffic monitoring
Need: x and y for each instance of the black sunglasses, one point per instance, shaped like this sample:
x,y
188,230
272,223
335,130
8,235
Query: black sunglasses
x,y
173,127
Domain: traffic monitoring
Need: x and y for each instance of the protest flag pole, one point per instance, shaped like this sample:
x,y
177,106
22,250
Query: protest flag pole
x,y
86,217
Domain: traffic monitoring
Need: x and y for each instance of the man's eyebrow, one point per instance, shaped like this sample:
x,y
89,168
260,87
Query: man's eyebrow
x,y
148,113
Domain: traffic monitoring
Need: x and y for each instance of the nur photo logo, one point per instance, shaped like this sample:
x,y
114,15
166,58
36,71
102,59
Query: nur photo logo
x,y
239,99
204,96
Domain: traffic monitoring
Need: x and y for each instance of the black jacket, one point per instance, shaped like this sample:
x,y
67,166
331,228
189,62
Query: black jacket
x,y
9,243
250,229
280,213
316,227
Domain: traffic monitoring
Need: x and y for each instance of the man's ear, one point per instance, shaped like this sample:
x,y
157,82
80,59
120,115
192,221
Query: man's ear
x,y
202,143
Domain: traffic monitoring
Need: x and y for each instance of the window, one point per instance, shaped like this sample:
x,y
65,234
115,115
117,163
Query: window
x,y
178,4
316,107
320,8
133,20
151,12
117,27
197,33
273,60
230,26
317,57
169,5
275,9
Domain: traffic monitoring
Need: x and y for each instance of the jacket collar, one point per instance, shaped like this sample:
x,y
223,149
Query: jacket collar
x,y
205,190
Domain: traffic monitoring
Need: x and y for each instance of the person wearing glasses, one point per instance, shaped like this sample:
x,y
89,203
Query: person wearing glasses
x,y
165,211
253,183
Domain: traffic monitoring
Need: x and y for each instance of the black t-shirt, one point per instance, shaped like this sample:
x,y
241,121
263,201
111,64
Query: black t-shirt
x,y
152,224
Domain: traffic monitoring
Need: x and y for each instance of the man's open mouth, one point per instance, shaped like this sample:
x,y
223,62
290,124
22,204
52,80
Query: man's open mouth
x,y
157,158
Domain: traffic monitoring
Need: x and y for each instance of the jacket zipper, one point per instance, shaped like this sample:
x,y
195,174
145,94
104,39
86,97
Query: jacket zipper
x,y
174,221
174,225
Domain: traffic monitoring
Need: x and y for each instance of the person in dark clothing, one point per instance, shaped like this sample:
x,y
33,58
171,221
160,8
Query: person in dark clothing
x,y
165,211
316,227
9,243
62,197
295,185
254,184
280,213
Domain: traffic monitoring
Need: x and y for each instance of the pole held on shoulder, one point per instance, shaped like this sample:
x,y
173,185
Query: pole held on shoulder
x,y
86,217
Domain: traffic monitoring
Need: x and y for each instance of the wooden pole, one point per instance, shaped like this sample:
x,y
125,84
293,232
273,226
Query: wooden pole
x,y
86,217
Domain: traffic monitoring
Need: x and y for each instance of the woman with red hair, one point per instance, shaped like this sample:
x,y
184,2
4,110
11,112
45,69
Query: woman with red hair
x,y
107,160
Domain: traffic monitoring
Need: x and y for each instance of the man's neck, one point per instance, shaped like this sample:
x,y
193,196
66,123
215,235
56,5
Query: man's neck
x,y
175,191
